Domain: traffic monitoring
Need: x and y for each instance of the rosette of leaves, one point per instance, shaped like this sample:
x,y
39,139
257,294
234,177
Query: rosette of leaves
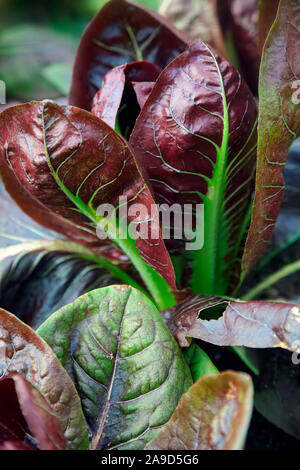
x,y
154,119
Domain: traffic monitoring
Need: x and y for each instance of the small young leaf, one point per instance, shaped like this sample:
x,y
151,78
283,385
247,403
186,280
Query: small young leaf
x,y
119,91
213,415
196,138
127,367
278,125
121,32
31,377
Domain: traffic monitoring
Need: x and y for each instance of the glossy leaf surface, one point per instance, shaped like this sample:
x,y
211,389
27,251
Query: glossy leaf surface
x,y
127,367
121,32
213,415
196,138
40,406
61,163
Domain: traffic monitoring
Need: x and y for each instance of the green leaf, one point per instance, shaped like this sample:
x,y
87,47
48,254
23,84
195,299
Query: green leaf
x,y
213,415
46,395
126,365
199,362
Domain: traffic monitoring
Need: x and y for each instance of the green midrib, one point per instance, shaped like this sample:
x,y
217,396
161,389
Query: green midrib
x,y
156,284
209,264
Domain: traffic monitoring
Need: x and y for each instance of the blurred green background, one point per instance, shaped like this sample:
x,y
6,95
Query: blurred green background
x,y
38,41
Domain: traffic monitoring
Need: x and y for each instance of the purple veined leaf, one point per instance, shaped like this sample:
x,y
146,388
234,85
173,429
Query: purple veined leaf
x,y
61,163
243,23
198,18
253,324
40,407
120,33
278,125
118,95
214,414
196,137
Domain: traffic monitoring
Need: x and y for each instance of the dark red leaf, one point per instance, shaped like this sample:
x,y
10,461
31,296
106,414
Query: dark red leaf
x,y
196,137
121,32
61,163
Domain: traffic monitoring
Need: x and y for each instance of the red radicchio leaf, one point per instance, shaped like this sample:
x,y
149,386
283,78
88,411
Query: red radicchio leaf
x,y
119,83
121,32
278,125
61,163
39,406
252,324
196,137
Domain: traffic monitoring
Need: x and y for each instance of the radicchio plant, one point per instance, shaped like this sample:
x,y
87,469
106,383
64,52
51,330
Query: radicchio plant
x,y
154,120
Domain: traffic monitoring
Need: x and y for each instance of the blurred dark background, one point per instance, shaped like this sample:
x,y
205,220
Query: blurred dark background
x,y
38,41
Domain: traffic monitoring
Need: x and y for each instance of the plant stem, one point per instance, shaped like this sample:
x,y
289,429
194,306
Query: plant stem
x,y
272,279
